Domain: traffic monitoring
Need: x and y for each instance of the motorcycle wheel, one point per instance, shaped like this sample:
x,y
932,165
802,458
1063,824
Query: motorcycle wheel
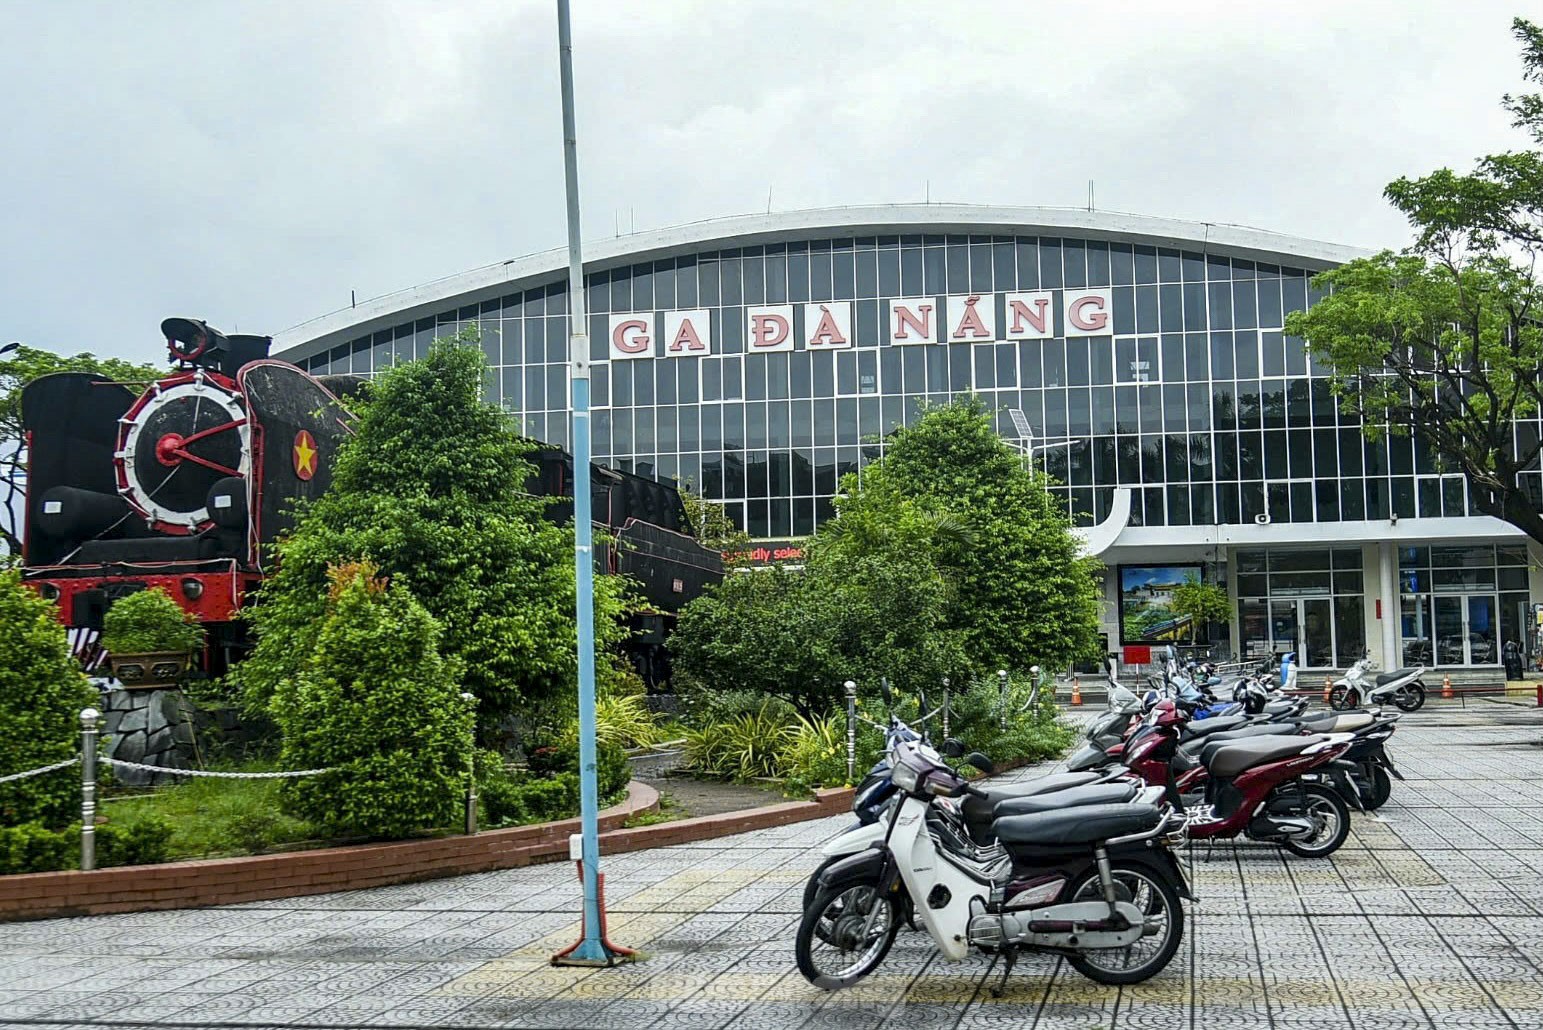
x,y
1411,698
1344,698
836,946
1154,895
1331,817
1381,789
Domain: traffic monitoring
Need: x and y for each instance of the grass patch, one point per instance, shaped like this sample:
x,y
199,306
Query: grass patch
x,y
668,812
216,817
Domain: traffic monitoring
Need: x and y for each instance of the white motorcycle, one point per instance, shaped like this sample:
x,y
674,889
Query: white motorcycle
x,y
1402,687
1096,884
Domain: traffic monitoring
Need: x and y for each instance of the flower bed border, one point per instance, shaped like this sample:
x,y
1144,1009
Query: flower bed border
x,y
228,881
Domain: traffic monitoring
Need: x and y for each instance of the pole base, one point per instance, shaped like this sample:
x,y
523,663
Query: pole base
x,y
594,951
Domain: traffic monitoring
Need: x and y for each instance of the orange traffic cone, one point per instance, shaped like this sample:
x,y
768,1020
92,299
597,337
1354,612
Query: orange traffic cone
x,y
1076,691
1328,688
1446,687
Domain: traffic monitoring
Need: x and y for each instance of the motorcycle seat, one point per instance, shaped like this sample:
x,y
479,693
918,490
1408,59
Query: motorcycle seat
x,y
1234,757
1087,825
1116,793
1215,724
978,812
1349,722
1396,674
1321,722
1270,729
1285,704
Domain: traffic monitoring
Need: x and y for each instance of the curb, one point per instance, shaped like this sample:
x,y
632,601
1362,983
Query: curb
x,y
229,881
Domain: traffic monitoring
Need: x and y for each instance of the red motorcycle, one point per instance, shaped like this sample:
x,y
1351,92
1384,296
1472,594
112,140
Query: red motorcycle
x,y
1252,787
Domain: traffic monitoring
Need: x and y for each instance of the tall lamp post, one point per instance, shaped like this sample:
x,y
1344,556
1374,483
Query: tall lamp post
x,y
592,948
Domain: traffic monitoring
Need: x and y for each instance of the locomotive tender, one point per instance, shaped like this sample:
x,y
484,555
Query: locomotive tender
x,y
184,485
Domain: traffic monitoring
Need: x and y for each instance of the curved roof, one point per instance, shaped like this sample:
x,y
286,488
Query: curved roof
x,y
495,280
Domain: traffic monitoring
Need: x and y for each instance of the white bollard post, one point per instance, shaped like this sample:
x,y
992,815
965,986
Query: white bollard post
x,y
88,718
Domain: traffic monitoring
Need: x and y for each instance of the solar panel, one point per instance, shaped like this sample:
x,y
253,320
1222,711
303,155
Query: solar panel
x,y
1020,423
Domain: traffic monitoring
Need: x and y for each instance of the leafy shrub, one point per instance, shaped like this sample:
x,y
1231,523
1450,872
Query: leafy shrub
x,y
379,706
626,721
530,799
142,842
35,848
816,754
558,754
742,748
149,620
42,692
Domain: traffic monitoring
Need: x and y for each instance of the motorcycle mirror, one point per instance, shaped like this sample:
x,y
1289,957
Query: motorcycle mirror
x,y
951,748
885,692
981,762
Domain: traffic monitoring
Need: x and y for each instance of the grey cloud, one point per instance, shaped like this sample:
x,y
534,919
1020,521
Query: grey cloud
x,y
252,162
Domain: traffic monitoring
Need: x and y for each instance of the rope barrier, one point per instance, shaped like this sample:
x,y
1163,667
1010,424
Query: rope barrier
x,y
40,771
209,773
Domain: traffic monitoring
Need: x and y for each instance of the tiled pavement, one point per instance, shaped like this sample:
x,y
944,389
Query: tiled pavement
x,y
1428,917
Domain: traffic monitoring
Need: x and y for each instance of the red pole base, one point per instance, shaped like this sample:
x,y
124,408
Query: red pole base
x,y
615,954
1540,695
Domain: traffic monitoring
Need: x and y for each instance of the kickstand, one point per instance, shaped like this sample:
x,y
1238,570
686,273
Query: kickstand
x,y
1009,959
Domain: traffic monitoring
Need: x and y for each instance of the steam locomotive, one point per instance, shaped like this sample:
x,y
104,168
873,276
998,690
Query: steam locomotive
x,y
184,483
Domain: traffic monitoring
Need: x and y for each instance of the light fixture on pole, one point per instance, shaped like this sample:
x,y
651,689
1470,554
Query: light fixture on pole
x,y
592,948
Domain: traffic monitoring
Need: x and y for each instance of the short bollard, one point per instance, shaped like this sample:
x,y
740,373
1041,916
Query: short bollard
x,y
88,718
1328,689
946,706
1446,687
851,690
471,771
1002,698
1540,695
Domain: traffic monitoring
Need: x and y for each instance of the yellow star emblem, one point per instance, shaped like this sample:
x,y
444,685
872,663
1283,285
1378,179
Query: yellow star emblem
x,y
305,455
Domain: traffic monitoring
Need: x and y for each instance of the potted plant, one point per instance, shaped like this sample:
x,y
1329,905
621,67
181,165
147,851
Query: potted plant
x,y
150,641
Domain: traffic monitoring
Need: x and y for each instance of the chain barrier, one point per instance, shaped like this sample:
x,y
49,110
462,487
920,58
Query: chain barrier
x,y
206,772
40,771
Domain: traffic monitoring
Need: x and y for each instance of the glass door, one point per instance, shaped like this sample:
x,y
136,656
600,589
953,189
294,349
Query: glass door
x,y
1451,630
1284,625
1317,621
1482,636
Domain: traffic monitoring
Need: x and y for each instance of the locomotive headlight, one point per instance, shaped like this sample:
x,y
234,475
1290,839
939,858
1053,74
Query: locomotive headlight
x,y
49,592
192,589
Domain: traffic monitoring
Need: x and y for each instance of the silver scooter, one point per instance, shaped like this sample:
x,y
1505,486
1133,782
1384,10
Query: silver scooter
x,y
1401,687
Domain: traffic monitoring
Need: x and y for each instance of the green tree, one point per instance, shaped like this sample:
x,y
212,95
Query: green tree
x,y
42,691
1200,603
711,527
1022,592
431,488
766,631
376,704
17,369
1443,341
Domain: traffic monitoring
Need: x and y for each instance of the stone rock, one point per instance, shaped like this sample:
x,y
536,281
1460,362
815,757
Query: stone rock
x,y
159,740
133,720
129,747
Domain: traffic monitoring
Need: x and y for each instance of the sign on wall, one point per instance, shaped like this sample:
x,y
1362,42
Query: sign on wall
x,y
955,318
1146,593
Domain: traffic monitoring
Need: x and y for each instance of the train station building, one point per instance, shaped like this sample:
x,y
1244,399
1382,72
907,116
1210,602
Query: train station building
x,y
1140,360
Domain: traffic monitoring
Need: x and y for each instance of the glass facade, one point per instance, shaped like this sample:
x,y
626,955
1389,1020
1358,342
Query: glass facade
x,y
1459,605
1309,602
1196,399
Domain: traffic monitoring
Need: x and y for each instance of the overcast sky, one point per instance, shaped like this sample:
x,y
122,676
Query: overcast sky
x,y
251,163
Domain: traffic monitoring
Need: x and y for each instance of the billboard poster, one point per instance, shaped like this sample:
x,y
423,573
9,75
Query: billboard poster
x,y
1146,591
